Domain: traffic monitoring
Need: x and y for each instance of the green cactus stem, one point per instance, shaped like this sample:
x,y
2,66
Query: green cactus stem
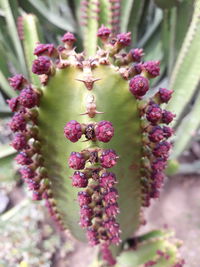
x,y
157,249
113,132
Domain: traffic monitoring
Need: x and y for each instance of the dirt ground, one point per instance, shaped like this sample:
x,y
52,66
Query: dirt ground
x,y
178,208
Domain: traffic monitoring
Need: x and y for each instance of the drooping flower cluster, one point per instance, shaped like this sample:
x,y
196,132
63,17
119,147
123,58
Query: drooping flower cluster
x,y
155,119
155,132
98,202
26,140
23,124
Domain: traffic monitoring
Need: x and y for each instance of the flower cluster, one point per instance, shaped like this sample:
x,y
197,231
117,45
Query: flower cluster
x,y
156,147
25,140
49,57
52,208
102,131
98,202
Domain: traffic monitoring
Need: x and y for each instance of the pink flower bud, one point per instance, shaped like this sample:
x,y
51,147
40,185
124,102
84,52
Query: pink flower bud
x,y
107,180
112,210
138,86
44,50
124,39
76,161
111,196
168,132
23,159
84,198
150,263
112,226
103,33
17,82
158,165
167,116
32,185
73,131
154,113
19,141
136,54
79,179
108,158
13,103
68,38
104,131
92,236
164,95
27,173
18,122
156,134
36,196
28,98
86,211
152,68
41,65
85,222
107,255
162,149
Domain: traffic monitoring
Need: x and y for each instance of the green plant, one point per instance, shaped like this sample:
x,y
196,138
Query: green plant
x,y
77,84
96,83
158,32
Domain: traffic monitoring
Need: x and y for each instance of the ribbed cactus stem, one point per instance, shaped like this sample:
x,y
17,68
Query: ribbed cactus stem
x,y
116,150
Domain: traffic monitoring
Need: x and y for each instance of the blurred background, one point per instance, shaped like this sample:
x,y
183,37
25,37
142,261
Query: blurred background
x,y
168,31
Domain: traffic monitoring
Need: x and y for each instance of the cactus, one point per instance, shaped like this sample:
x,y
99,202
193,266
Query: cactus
x,y
107,130
92,114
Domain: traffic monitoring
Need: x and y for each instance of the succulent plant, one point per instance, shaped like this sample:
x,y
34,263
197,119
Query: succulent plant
x,y
84,113
98,100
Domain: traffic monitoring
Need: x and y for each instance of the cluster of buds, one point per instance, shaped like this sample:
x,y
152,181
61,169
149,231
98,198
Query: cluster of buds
x,y
27,142
156,148
53,210
102,131
50,58
155,134
98,202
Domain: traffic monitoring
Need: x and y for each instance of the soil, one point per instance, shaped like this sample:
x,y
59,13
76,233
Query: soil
x,y
179,209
